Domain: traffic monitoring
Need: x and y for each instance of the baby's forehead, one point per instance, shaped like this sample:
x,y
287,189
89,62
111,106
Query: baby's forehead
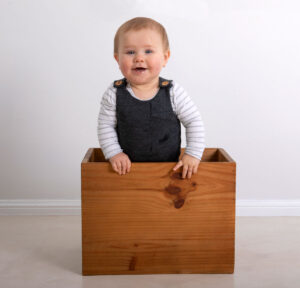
x,y
141,31
142,35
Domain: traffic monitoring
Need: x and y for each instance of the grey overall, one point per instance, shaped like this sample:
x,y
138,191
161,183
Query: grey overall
x,y
148,131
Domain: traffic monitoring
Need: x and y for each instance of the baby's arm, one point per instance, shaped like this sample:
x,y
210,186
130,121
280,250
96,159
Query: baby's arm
x,y
107,134
190,117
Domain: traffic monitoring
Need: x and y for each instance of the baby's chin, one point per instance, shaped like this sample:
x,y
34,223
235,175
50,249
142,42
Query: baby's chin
x,y
142,80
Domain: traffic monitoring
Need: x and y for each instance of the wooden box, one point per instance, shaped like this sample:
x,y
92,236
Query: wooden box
x,y
152,221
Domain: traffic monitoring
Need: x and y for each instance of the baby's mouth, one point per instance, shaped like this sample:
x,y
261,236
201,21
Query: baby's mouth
x,y
139,69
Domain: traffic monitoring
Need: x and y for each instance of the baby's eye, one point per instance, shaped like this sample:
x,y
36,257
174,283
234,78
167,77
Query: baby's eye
x,y
130,52
148,51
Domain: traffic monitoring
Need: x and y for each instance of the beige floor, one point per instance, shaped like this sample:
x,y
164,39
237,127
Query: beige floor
x,y
45,251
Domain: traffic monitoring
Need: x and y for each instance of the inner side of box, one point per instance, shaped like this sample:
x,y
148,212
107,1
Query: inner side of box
x,y
209,155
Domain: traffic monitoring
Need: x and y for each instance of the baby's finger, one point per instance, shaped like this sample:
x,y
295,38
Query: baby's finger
x,y
128,166
124,167
115,167
179,164
119,167
184,171
190,172
195,168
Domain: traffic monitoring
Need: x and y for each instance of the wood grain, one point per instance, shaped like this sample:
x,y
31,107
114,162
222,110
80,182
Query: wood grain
x,y
153,221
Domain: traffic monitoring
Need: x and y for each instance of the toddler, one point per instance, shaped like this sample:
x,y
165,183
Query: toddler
x,y
140,115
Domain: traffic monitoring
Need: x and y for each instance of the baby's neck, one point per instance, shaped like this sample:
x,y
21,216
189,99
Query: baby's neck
x,y
145,91
147,87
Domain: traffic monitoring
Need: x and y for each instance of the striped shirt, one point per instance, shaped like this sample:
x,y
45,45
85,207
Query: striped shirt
x,y
182,105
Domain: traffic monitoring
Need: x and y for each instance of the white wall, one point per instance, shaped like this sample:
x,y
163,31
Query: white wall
x,y
239,61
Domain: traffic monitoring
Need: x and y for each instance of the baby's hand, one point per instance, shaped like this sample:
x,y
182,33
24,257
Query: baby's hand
x,y
190,165
120,163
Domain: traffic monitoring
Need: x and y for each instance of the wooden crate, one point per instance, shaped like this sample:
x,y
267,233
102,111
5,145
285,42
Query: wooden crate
x,y
152,221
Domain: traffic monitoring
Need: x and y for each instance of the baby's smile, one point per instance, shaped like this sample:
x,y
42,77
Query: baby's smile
x,y
139,69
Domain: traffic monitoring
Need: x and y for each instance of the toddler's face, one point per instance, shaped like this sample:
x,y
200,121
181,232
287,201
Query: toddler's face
x,y
141,56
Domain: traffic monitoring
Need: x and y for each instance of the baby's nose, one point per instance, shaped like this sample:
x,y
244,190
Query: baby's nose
x,y
139,57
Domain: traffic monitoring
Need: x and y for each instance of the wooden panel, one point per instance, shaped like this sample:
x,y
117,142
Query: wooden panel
x,y
209,155
153,221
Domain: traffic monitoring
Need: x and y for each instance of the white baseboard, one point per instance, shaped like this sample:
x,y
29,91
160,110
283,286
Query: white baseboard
x,y
40,207
73,207
268,207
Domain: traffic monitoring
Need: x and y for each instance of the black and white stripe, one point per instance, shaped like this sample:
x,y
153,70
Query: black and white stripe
x,y
182,105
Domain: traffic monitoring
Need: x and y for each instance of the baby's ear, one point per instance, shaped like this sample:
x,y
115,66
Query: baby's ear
x,y
166,56
116,57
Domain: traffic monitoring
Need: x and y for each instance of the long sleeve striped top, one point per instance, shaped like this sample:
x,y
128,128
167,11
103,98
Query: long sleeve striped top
x,y
182,105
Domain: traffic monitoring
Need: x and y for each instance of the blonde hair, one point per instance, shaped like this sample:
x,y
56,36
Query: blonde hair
x,y
139,23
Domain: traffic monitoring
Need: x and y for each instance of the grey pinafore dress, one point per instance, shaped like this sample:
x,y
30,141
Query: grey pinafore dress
x,y
148,130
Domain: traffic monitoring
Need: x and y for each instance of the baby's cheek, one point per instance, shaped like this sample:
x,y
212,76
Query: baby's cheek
x,y
157,67
124,65
125,68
